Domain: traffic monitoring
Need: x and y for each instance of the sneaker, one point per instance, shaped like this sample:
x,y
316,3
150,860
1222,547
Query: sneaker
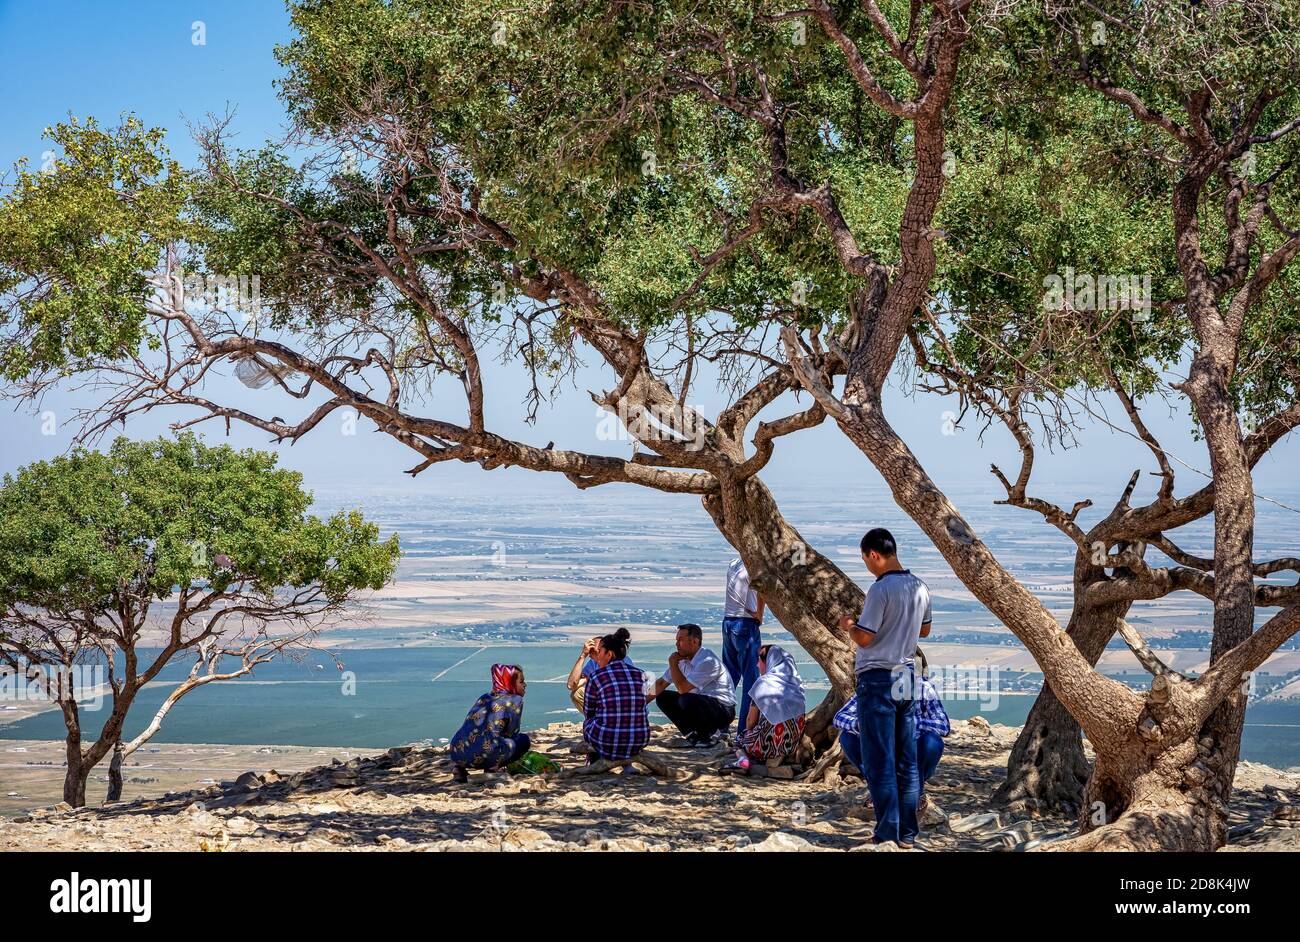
x,y
737,764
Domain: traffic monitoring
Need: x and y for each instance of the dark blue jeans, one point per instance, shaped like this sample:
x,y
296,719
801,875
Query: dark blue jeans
x,y
740,644
929,750
887,731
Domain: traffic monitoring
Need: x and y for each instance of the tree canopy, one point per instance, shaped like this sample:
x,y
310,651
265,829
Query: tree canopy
x,y
146,520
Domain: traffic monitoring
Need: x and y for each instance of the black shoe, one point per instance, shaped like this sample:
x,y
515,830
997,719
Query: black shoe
x,y
459,775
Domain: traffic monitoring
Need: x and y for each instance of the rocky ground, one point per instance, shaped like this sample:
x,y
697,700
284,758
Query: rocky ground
x,y
32,771
405,799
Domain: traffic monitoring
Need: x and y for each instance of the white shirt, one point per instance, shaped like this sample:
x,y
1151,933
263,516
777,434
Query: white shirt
x,y
742,601
707,675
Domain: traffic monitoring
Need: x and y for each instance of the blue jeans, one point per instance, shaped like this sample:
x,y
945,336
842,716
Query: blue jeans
x,y
929,749
740,644
887,731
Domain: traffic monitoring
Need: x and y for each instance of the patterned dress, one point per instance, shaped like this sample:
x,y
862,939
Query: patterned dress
x,y
486,739
764,740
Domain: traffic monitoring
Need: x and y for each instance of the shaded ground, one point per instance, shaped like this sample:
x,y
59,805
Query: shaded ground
x,y
405,799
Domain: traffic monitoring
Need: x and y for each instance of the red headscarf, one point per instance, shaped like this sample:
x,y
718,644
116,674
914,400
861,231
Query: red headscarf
x,y
507,678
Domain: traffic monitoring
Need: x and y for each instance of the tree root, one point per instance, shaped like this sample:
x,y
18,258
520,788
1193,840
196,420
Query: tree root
x,y
1179,828
827,766
652,764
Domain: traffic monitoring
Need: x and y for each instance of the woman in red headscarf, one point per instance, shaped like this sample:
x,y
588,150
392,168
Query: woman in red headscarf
x,y
490,738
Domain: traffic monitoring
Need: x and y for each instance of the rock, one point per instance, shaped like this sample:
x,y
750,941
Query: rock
x,y
204,821
624,844
1019,833
248,781
767,771
216,844
1286,840
781,841
526,838
975,822
241,825
1287,816
236,799
1044,840
979,726
933,816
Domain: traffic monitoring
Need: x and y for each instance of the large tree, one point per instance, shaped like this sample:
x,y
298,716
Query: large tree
x,y
117,564
898,281
1214,81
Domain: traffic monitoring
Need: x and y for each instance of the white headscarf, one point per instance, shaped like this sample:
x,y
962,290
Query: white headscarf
x,y
779,691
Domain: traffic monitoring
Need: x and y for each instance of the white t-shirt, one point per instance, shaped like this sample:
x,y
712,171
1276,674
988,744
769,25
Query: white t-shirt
x,y
742,601
707,675
896,607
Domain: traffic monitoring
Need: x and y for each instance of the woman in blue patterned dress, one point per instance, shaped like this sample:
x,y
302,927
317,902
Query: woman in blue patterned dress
x,y
490,738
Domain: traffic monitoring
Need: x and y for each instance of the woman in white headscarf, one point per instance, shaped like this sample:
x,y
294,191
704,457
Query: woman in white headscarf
x,y
776,713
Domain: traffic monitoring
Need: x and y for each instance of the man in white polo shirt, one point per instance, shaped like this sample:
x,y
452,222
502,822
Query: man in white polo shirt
x,y
894,616
703,702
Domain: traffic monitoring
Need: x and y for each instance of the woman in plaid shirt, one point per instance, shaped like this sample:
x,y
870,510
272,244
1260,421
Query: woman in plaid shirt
x,y
616,725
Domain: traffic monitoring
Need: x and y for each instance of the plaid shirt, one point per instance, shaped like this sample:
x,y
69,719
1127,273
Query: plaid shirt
x,y
616,724
930,714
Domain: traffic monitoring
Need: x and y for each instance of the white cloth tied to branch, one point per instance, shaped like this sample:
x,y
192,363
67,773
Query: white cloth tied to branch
x,y
254,373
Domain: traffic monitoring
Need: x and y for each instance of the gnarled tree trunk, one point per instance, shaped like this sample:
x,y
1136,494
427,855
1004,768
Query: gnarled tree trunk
x,y
1047,769
115,773
805,590
1146,789
74,779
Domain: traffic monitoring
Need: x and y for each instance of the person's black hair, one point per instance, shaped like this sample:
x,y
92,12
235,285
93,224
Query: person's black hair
x,y
692,630
881,541
762,652
616,644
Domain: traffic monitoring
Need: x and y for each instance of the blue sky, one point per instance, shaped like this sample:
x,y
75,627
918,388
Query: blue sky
x,y
107,58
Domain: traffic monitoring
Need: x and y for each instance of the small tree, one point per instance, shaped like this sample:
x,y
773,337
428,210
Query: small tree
x,y
209,551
